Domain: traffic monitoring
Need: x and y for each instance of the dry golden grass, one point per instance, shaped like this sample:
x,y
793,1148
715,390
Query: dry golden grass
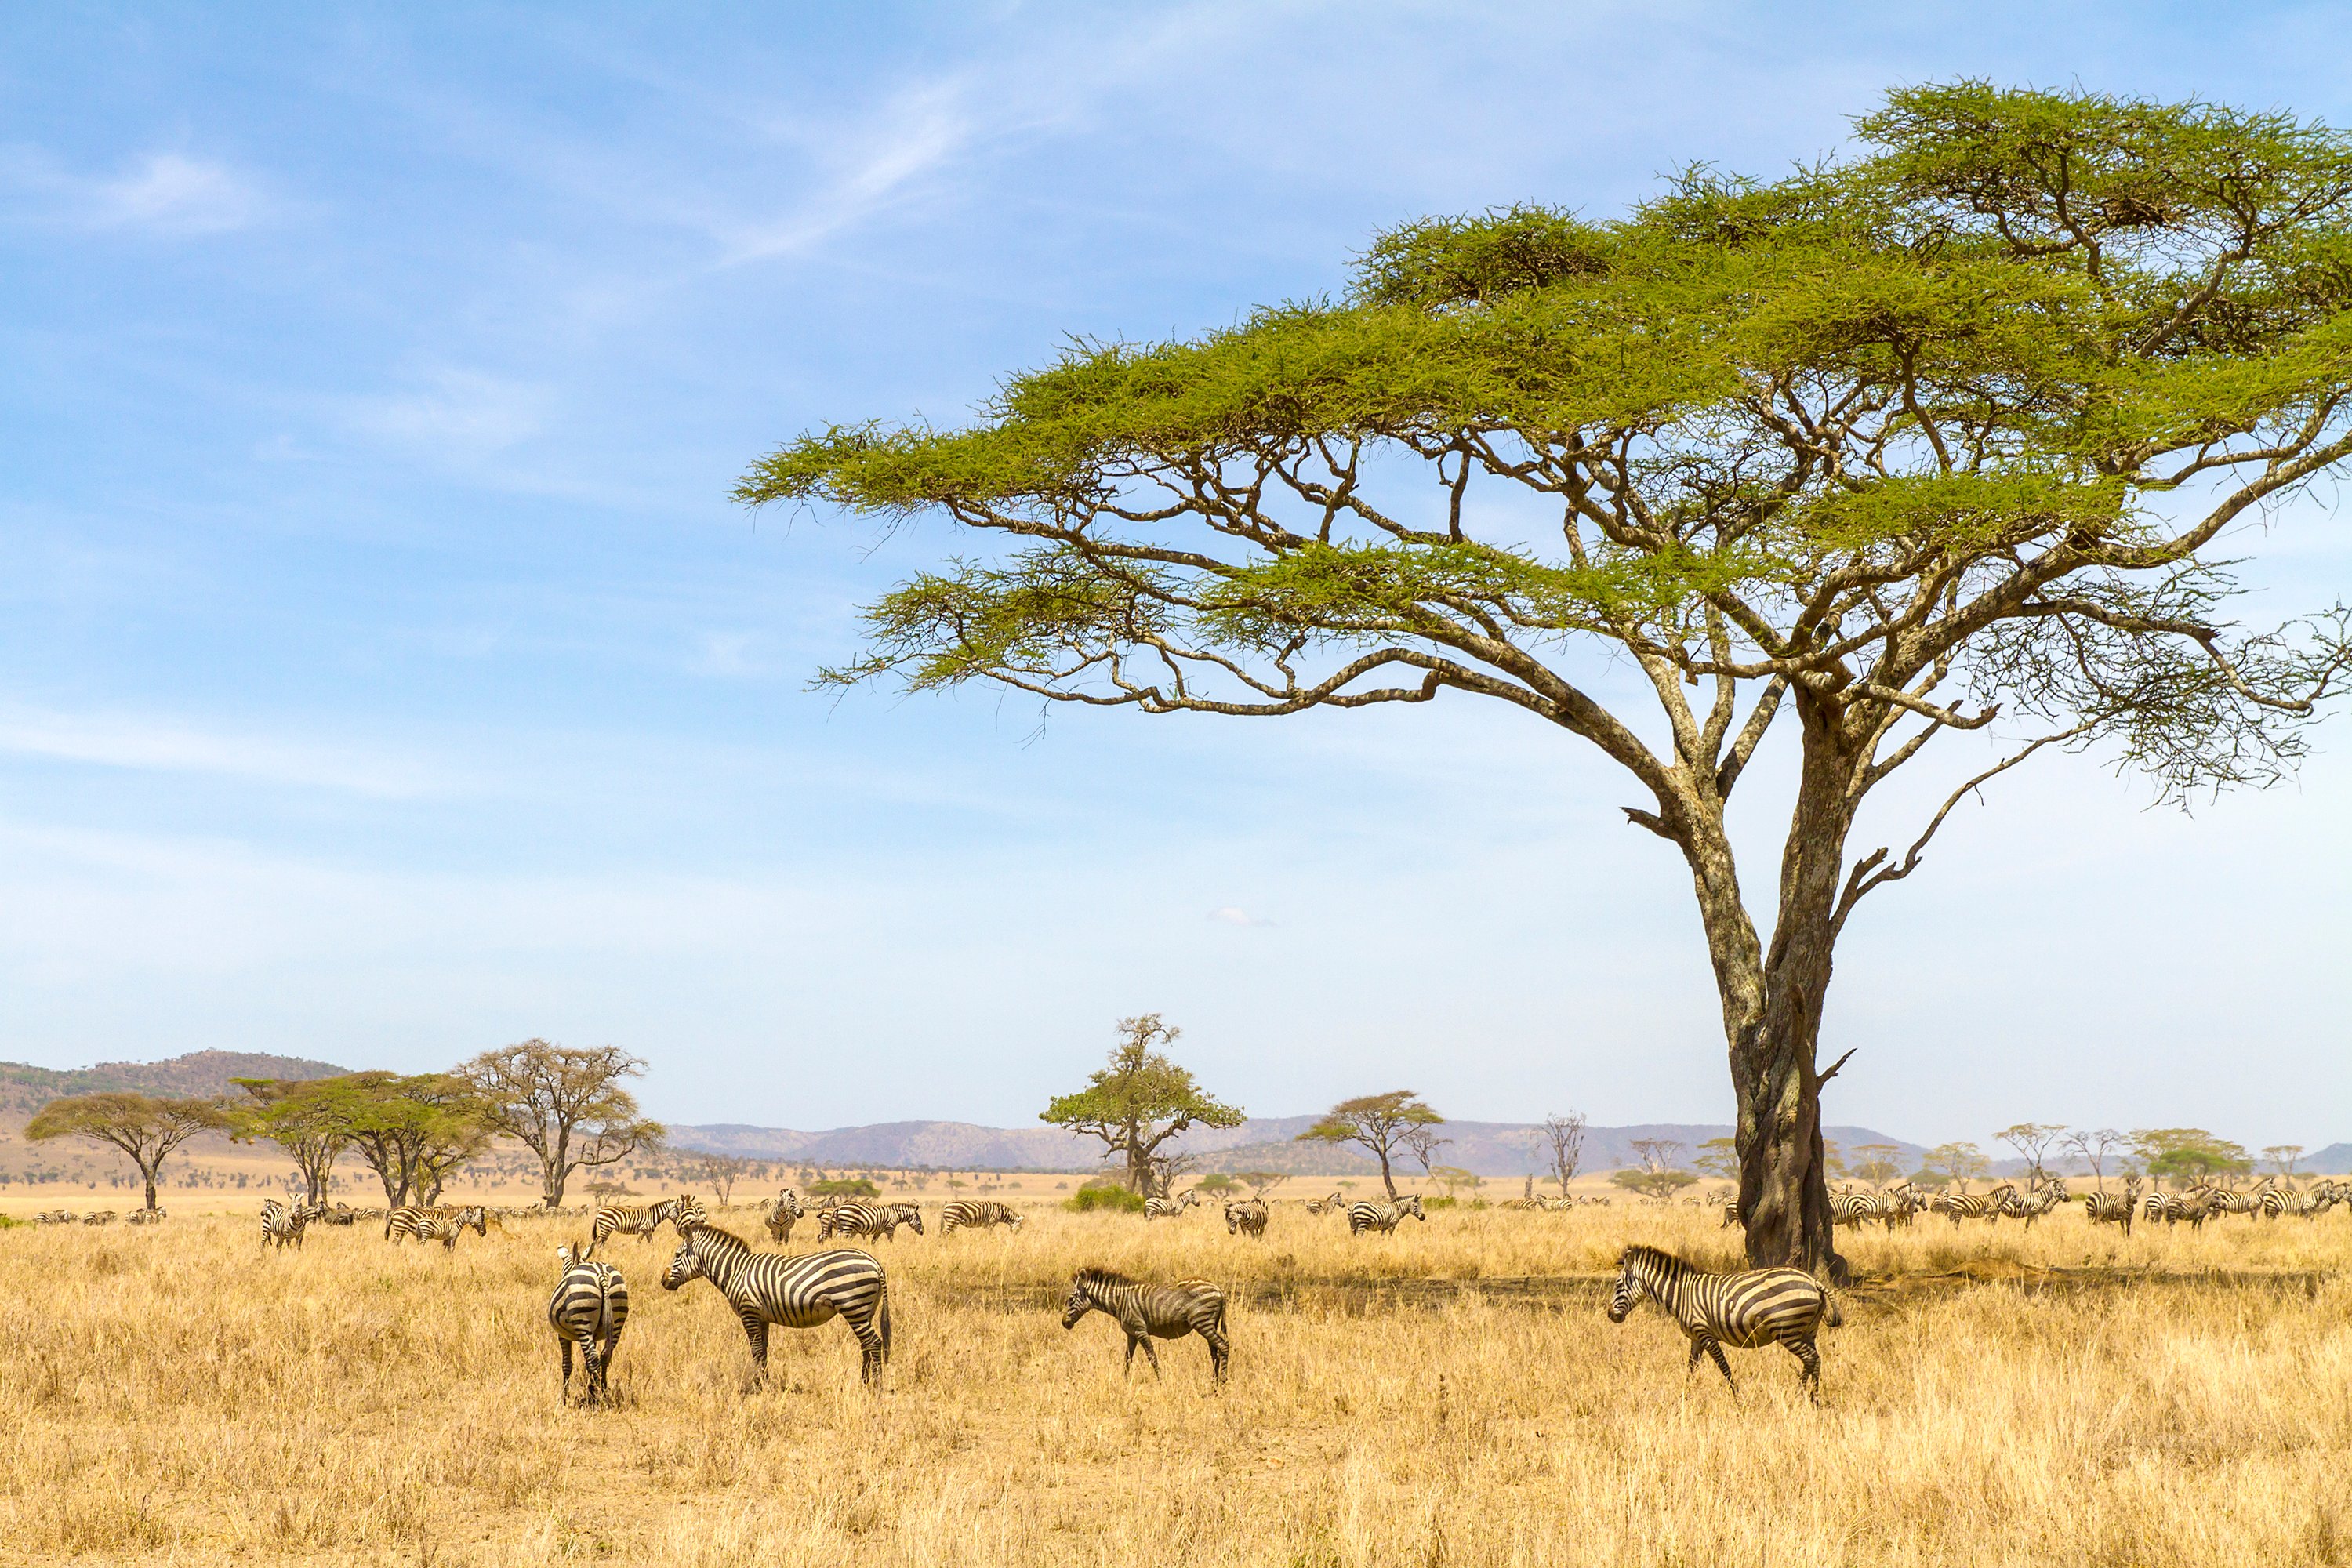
x,y
174,1396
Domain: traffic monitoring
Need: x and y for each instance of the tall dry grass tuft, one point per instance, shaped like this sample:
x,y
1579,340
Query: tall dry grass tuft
x,y
174,1396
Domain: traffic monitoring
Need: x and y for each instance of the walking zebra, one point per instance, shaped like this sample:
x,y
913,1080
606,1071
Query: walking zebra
x,y
1850,1208
1383,1217
2047,1199
588,1309
881,1220
2106,1208
768,1287
1332,1205
284,1222
1957,1206
1246,1217
1152,1311
645,1224
431,1225
979,1214
1168,1208
781,1214
1782,1306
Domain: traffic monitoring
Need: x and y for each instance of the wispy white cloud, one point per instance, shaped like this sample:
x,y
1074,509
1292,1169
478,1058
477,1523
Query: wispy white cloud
x,y
160,193
164,746
1231,915
457,412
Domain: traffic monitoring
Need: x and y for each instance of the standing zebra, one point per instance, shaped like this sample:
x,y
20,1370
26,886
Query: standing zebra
x,y
1168,1208
2047,1199
1335,1204
1152,1311
2106,1208
1849,1208
767,1288
881,1220
1957,1206
284,1222
1246,1217
427,1224
781,1214
1730,1213
645,1224
1383,1217
590,1307
1782,1306
979,1214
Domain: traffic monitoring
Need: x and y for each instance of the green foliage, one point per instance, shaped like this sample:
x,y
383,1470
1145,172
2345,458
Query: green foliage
x,y
1139,1100
1652,1184
1948,1164
1878,1164
1106,1196
2188,1155
845,1187
1217,1183
1720,1158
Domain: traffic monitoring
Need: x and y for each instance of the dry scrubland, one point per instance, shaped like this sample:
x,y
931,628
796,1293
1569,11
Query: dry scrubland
x,y
175,1396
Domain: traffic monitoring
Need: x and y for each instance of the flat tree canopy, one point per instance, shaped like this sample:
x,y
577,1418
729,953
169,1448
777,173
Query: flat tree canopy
x,y
1380,1122
141,1126
567,1105
1139,1100
1950,431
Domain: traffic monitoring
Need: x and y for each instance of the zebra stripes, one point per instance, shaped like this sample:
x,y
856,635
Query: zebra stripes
x,y
1383,1217
1246,1217
1147,1312
1778,1306
768,1287
782,1212
2047,1199
881,1220
1335,1204
1986,1207
979,1214
436,1225
283,1222
588,1309
644,1224
2106,1208
1168,1208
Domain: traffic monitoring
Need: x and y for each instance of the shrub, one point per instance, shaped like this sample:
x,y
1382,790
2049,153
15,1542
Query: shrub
x,y
1440,1203
845,1187
1101,1194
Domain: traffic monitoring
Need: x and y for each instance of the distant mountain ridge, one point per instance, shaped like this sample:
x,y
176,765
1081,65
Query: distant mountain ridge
x,y
24,1088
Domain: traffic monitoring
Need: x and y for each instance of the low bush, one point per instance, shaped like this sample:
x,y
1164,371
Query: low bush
x,y
1101,1194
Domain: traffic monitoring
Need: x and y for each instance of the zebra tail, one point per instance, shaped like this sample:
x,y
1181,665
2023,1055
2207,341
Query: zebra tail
x,y
1830,1315
885,1323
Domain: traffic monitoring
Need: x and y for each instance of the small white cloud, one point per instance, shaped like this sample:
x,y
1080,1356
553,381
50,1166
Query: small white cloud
x,y
161,193
1232,916
457,412
728,655
163,746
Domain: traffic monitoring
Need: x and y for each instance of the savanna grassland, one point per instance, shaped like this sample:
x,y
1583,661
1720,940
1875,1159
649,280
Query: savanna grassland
x,y
1451,1396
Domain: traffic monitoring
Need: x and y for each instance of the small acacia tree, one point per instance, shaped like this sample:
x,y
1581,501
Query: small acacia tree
x,y
2034,1140
145,1128
1950,431
1880,1163
1137,1101
2282,1158
1563,1142
294,1114
1952,1164
2093,1146
2188,1155
1381,1123
568,1107
411,1130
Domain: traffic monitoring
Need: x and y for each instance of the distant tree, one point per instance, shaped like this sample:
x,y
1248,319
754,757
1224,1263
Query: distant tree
x,y
1880,1163
2034,1140
145,1128
293,1113
2186,1156
1718,1157
1168,1169
1139,1100
1378,1121
1657,1154
568,1107
845,1187
1457,1180
1261,1182
1422,1145
1218,1183
2093,1146
1563,1140
1832,1160
1653,1182
722,1172
412,1131
1950,1165
2283,1158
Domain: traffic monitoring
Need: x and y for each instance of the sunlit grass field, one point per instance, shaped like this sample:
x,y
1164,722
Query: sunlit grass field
x,y
1449,1395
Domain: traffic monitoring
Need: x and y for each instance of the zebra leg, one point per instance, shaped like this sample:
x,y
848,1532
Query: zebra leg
x,y
874,1352
1698,1349
1809,1359
1722,1365
1217,1355
1126,1367
563,1346
1150,1354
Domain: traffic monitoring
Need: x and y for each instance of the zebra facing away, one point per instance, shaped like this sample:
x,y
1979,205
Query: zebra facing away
x,y
1765,1306
1246,1217
1152,1311
1169,1208
881,1220
644,1224
588,1309
768,1287
427,1224
1385,1218
979,1214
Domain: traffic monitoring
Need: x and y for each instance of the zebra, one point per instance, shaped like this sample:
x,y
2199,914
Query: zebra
x,y
1904,1205
1383,1217
979,1214
427,1224
2049,1198
1730,1213
342,1214
99,1217
1332,1205
1957,1206
284,1222
1168,1208
589,1308
145,1216
767,1288
406,1216
645,1224
869,1220
1850,1208
781,1214
2106,1208
2247,1204
1152,1311
1784,1306
1246,1217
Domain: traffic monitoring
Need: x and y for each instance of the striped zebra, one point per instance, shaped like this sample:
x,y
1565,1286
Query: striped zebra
x,y
1168,1208
1332,1205
1730,1213
442,1226
2247,1204
2106,1208
1782,1306
645,1224
979,1214
99,1217
1905,1204
145,1216
1383,1217
1850,1208
768,1287
588,1309
1957,1206
282,1222
881,1220
1152,1311
1246,1217
2047,1199
782,1212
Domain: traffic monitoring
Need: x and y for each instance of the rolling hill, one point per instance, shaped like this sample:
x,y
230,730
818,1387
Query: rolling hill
x,y
24,1088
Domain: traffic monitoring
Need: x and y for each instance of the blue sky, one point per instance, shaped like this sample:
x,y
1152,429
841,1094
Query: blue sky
x,y
384,673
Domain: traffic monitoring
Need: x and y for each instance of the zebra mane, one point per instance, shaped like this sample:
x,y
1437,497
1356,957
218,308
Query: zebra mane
x,y
1101,1277
707,1228
1657,1259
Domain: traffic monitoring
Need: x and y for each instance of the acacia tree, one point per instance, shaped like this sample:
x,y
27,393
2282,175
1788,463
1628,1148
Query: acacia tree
x,y
2034,1140
1137,1101
1948,431
143,1127
294,1115
412,1131
2091,1145
1380,1122
569,1107
1563,1136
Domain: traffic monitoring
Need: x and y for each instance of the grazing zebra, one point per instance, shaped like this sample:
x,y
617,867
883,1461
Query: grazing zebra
x,y
979,1214
781,1214
2106,1208
1850,1208
1383,1217
1782,1306
341,1214
767,1288
590,1307
406,1215
99,1217
284,1222
1246,1217
432,1225
145,1216
1152,1311
1168,1208
1332,1205
1986,1207
645,1224
2248,1204
881,1220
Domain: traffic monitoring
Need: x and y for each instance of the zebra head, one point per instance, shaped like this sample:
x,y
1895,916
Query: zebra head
x,y
567,1255
1080,1303
1019,1220
914,1217
1411,1204
1233,1221
1635,1269
476,1217
689,1264
687,1213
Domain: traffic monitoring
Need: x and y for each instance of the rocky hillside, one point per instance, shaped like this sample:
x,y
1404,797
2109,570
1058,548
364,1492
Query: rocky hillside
x,y
23,1089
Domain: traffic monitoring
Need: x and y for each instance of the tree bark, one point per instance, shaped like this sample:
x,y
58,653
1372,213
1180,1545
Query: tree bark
x,y
149,1172
1386,1180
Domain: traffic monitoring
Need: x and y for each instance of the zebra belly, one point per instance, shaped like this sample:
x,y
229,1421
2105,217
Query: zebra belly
x,y
807,1315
